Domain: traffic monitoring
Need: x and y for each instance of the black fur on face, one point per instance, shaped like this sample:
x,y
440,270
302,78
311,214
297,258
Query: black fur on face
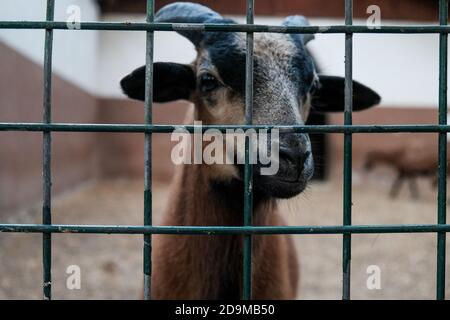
x,y
283,77
228,55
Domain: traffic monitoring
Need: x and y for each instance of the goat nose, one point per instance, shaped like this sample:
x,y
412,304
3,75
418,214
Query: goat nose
x,y
303,158
294,156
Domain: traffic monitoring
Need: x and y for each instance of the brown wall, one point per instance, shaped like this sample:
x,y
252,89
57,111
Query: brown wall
x,y
363,143
422,10
74,155
123,153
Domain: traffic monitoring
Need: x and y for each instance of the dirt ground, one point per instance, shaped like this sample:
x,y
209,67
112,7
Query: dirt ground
x,y
111,264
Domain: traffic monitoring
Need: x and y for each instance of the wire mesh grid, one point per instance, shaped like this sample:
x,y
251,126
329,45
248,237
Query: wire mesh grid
x,y
47,127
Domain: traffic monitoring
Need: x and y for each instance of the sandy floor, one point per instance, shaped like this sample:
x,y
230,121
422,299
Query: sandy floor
x,y
111,264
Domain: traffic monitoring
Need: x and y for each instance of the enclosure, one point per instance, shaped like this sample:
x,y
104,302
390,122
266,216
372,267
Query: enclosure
x,y
106,161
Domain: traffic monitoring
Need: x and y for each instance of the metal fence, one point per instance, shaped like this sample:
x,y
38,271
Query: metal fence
x,y
346,229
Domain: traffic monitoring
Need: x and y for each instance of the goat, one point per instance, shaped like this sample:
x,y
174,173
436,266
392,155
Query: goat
x,y
410,161
286,84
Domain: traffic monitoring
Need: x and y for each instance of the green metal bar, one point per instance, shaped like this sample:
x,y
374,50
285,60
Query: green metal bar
x,y
347,218
46,160
248,171
442,175
148,154
139,128
216,230
129,26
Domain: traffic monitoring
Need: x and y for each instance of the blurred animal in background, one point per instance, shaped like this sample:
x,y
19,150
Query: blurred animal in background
x,y
410,161
286,86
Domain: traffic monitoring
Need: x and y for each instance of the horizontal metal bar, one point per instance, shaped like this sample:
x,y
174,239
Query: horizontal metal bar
x,y
143,26
218,230
162,128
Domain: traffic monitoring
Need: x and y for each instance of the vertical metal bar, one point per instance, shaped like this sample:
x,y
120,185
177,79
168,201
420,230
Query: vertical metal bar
x,y
442,174
347,240
248,175
148,154
46,157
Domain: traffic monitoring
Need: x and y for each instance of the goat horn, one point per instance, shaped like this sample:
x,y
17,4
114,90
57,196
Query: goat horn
x,y
298,21
187,12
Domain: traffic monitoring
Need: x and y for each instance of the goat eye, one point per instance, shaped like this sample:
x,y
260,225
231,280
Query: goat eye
x,y
207,82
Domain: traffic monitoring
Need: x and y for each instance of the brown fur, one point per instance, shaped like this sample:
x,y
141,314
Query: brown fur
x,y
210,267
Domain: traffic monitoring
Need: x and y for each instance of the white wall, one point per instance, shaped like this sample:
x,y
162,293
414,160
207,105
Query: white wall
x,y
75,53
402,68
121,52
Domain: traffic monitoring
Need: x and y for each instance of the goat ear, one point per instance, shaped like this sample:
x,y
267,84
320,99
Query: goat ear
x,y
171,81
330,97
